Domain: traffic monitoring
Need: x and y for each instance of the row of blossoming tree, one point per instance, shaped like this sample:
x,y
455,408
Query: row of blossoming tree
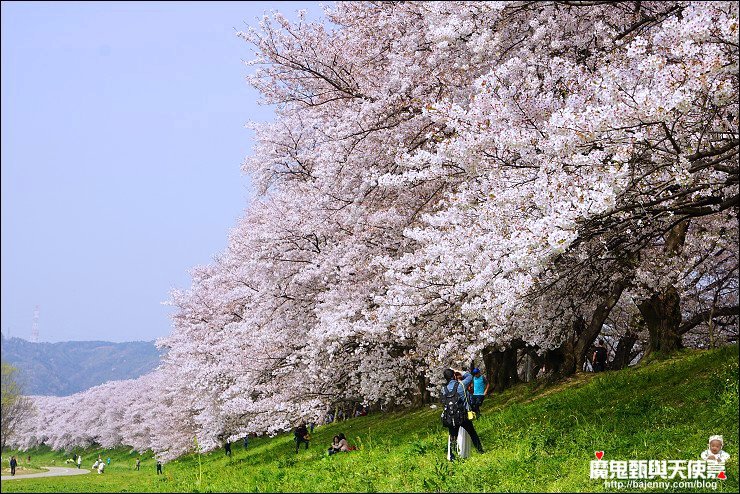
x,y
446,182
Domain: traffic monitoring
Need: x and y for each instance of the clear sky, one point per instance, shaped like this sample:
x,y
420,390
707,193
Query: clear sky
x,y
122,139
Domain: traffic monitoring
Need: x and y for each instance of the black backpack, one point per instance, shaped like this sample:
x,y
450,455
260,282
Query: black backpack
x,y
601,355
454,408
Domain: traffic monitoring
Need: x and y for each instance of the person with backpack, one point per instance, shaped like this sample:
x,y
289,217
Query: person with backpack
x,y
599,358
456,408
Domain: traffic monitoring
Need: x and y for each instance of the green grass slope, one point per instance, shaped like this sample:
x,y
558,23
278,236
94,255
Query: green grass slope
x,y
537,438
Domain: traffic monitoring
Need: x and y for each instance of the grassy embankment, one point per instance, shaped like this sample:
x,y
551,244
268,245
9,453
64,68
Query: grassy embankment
x,y
538,438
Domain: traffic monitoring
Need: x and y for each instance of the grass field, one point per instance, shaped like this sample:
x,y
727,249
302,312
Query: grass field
x,y
537,438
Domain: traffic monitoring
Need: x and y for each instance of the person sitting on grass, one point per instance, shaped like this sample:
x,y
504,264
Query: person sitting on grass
x,y
335,446
101,467
343,444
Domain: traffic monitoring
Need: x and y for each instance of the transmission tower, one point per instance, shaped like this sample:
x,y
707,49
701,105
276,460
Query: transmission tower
x,y
35,327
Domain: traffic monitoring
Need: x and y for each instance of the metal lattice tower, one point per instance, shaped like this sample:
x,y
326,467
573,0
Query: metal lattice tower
x,y
35,326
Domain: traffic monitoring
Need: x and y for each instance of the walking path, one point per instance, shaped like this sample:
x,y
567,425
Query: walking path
x,y
53,472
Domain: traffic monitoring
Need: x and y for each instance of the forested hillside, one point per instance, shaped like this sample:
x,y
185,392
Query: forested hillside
x,y
67,367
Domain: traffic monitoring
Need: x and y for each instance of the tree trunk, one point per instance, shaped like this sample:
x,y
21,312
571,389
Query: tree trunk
x,y
662,312
623,354
530,367
570,349
501,368
571,355
623,351
553,361
662,315
593,329
423,392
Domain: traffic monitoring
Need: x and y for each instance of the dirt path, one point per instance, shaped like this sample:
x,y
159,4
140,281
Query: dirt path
x,y
53,472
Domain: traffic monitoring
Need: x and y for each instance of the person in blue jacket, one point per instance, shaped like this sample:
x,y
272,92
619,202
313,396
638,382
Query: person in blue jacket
x,y
480,389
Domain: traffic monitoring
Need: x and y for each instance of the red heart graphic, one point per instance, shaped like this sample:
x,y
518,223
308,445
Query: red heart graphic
x,y
599,454
721,475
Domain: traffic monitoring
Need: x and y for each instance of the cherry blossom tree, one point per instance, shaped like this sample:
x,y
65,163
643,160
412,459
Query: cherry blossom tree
x,y
448,181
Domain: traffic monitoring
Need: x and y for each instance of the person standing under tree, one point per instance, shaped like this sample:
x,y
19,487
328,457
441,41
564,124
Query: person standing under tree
x,y
301,436
227,448
138,463
599,357
79,461
13,464
480,390
455,413
159,467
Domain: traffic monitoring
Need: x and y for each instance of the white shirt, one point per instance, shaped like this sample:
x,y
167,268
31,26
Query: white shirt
x,y
721,456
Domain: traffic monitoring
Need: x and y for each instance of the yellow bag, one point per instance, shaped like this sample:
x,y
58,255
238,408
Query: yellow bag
x,y
471,414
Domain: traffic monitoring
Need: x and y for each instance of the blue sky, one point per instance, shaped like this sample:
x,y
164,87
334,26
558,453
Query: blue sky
x,y
122,139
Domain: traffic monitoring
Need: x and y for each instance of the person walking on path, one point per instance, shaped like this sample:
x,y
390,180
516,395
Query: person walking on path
x,y
138,464
13,464
159,467
456,407
79,461
599,357
480,389
301,436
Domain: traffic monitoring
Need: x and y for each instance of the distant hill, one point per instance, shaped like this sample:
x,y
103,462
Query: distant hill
x,y
68,367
